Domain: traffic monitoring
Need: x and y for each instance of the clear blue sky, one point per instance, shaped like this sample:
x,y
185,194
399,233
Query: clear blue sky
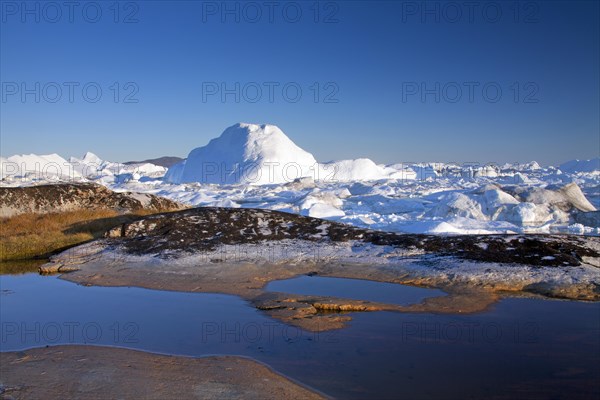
x,y
372,57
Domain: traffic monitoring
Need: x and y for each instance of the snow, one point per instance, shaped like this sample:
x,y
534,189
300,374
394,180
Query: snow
x,y
526,214
438,198
91,158
361,169
573,195
175,173
321,210
50,167
520,178
424,171
93,167
21,170
574,166
457,204
495,198
248,154
263,154
566,197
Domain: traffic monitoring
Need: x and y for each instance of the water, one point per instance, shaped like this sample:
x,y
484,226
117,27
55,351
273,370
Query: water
x,y
519,348
356,289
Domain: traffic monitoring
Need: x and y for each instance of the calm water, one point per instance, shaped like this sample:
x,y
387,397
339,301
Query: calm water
x,y
353,289
520,348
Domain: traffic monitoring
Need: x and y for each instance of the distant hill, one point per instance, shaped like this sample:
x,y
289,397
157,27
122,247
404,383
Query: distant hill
x,y
166,161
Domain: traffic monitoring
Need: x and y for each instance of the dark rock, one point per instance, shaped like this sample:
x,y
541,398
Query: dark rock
x,y
204,229
167,161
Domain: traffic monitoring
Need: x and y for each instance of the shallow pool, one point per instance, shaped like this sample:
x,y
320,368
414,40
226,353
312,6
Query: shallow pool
x,y
356,289
520,348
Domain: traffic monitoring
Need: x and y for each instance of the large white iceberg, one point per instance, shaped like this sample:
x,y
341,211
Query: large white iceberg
x,y
245,154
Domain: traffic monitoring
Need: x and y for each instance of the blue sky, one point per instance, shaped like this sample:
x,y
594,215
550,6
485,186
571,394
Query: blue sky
x,y
385,80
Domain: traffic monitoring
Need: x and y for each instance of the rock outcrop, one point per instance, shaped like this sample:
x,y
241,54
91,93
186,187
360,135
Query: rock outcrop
x,y
71,197
204,229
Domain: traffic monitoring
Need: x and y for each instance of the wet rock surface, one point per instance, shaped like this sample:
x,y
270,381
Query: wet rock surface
x,y
91,372
321,313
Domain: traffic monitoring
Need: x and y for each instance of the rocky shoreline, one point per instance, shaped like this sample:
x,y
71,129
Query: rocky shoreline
x,y
238,251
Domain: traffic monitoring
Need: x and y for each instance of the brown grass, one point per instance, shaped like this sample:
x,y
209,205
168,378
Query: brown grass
x,y
31,235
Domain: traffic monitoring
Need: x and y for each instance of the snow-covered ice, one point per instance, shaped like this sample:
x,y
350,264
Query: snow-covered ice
x,y
575,166
259,166
245,153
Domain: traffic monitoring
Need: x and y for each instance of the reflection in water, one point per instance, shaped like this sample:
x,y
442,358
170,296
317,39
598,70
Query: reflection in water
x,y
520,348
356,289
21,266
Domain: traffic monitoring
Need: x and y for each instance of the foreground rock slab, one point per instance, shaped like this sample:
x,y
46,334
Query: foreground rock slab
x,y
90,372
238,251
